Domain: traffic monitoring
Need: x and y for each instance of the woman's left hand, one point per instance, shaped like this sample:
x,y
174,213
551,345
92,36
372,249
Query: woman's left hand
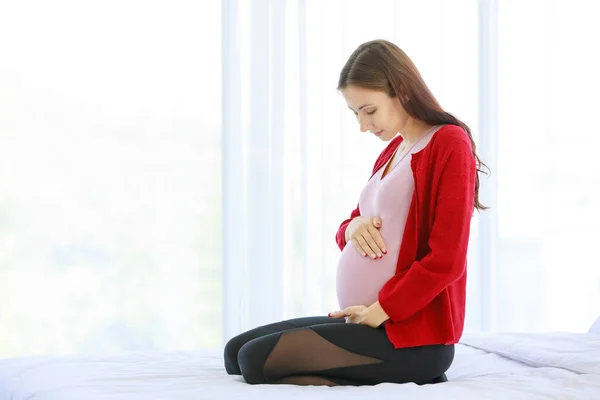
x,y
358,315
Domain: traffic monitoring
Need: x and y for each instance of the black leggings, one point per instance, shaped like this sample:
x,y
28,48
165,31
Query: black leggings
x,y
328,351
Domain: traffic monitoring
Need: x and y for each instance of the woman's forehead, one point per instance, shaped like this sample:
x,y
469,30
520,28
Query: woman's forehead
x,y
355,95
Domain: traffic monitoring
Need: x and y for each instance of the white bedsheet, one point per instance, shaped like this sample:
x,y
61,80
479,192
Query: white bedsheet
x,y
525,366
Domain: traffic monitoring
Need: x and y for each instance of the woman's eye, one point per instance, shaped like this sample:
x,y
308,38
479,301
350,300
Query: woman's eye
x,y
371,112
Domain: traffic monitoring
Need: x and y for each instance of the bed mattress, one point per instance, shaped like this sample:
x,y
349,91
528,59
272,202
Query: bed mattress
x,y
500,366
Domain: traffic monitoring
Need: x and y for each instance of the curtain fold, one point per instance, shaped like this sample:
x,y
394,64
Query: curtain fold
x,y
304,159
495,65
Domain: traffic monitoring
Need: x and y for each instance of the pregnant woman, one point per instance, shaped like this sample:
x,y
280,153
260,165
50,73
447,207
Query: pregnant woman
x,y
401,277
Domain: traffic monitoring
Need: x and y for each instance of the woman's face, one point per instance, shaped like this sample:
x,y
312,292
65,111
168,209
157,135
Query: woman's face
x,y
376,112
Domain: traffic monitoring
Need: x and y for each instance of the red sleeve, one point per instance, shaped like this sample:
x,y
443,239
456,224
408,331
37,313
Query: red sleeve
x,y
405,294
340,236
381,160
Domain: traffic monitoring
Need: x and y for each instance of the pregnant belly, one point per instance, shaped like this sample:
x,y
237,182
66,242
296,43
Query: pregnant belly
x,y
359,279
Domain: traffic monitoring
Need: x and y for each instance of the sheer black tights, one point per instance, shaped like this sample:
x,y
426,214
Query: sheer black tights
x,y
325,351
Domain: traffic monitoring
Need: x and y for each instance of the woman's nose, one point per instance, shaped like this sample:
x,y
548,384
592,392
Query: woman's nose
x,y
364,124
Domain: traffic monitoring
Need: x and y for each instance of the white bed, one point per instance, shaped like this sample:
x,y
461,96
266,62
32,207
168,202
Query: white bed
x,y
509,366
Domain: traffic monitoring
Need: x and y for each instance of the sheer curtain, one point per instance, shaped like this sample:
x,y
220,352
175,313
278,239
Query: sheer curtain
x,y
548,273
164,186
521,74
110,233
289,182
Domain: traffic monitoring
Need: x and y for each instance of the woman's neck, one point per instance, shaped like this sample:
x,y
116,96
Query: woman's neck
x,y
414,130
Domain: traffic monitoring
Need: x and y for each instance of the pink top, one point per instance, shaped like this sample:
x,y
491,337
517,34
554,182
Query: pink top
x,y
359,279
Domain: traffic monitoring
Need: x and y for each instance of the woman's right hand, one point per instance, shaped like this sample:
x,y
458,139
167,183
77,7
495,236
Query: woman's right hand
x,y
364,234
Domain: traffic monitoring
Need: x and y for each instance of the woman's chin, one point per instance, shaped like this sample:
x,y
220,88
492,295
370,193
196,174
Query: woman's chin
x,y
386,137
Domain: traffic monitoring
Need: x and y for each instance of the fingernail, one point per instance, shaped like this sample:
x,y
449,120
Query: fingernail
x,y
373,256
379,255
364,254
384,251
329,315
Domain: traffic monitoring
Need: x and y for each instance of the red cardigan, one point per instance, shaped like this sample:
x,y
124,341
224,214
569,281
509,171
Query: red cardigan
x,y
425,299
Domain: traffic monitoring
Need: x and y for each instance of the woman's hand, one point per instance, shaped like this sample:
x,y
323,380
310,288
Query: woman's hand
x,y
365,236
372,316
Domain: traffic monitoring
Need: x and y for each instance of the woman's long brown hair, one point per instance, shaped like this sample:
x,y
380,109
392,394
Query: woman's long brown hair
x,y
381,65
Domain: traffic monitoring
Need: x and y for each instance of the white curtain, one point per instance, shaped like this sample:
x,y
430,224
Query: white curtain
x,y
294,159
547,273
521,74
110,203
173,173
